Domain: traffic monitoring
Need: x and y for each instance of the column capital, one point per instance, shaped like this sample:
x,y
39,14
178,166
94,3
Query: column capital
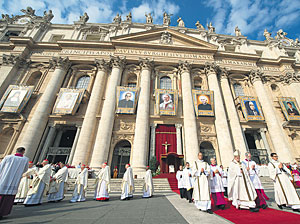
x,y
184,66
223,73
101,64
10,59
60,62
211,68
290,77
146,64
178,126
256,75
153,125
117,62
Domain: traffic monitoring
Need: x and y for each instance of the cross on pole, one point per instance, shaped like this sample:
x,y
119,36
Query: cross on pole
x,y
166,146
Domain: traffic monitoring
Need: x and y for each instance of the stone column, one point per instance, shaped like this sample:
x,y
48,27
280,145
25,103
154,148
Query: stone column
x,y
189,118
275,129
47,143
178,139
152,140
141,136
105,127
70,160
234,121
85,140
221,123
38,122
257,142
265,141
58,137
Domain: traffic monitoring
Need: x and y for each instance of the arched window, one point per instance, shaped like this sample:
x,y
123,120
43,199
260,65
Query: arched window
x,y
83,82
34,78
197,83
165,83
131,82
207,150
238,90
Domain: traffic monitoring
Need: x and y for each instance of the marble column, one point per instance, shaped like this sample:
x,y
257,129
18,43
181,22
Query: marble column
x,y
47,143
257,142
262,132
152,140
275,129
189,118
140,148
88,129
221,123
105,127
178,139
234,121
70,160
38,122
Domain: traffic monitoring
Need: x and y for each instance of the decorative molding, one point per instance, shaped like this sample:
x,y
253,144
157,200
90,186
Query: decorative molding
x,y
256,75
10,59
290,77
117,62
211,68
146,63
60,62
184,66
102,65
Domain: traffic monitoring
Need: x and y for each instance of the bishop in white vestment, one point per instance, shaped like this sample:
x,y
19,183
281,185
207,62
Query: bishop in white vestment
x,y
253,172
180,181
39,185
285,193
240,188
103,184
148,184
188,182
12,168
201,193
127,184
58,184
81,185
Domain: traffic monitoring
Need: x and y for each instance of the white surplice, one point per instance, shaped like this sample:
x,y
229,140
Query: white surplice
x,y
240,188
224,178
148,185
216,184
285,192
103,184
11,170
201,193
81,185
253,173
39,186
127,184
179,177
188,180
57,187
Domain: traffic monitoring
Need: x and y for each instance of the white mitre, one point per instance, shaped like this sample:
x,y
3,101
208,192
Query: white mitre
x,y
236,153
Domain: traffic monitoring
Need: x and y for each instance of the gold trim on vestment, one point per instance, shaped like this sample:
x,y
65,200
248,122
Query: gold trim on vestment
x,y
281,185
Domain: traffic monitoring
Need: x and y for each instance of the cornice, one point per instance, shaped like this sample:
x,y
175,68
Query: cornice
x,y
237,55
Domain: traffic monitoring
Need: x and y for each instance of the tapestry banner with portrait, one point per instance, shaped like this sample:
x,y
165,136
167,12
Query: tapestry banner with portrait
x,y
68,101
203,102
126,100
166,101
15,98
251,108
290,108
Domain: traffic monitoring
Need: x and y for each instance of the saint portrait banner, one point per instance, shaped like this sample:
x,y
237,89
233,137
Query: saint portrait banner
x,y
290,108
251,108
126,100
68,101
166,101
15,98
204,102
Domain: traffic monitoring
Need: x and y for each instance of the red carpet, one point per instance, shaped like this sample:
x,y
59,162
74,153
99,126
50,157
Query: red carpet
x,y
268,215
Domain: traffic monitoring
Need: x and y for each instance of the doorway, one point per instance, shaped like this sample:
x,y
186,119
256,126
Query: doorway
x,y
121,157
208,151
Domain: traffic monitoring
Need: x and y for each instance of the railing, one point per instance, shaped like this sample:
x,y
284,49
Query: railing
x,y
59,150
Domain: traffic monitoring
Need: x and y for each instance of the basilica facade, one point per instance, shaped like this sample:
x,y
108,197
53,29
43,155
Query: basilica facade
x,y
128,92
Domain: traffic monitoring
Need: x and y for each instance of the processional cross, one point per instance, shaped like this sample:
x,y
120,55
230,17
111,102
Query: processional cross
x,y
166,146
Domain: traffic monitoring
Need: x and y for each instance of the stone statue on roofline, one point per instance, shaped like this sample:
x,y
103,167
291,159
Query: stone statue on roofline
x,y
211,28
28,11
149,18
199,26
129,17
48,16
84,18
180,22
280,35
267,35
117,19
167,19
237,31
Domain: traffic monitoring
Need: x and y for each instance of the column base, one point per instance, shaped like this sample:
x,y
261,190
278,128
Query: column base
x,y
138,172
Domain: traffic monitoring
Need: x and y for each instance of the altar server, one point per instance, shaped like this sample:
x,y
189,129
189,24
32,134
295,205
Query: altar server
x,y
188,182
180,181
148,184
127,184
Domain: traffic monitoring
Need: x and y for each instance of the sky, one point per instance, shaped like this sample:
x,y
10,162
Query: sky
x,y
251,16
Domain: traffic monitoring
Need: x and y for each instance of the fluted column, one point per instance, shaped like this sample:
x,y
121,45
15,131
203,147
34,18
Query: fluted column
x,y
178,139
189,118
75,142
141,136
221,123
105,127
38,122
275,129
48,141
234,121
85,140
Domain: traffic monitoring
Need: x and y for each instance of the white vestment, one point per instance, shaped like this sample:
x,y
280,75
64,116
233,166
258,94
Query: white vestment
x,y
127,184
11,170
81,185
216,184
179,177
253,173
25,185
201,193
224,178
39,186
285,192
187,178
57,187
240,188
103,184
148,185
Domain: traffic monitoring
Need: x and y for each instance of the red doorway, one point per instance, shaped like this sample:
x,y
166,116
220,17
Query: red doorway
x,y
170,160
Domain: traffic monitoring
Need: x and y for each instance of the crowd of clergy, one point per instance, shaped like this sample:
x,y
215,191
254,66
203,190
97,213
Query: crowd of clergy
x,y
199,182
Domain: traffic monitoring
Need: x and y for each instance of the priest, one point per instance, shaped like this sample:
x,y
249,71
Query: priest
x,y
285,193
103,183
148,184
127,184
188,182
81,185
240,188
224,179
201,193
58,184
253,172
26,180
12,168
216,184
39,185
180,181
